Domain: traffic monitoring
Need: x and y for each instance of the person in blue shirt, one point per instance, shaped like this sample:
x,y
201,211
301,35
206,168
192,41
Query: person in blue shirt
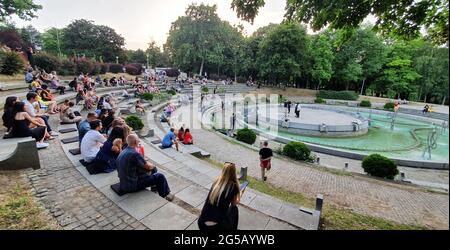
x,y
135,173
29,76
84,126
170,139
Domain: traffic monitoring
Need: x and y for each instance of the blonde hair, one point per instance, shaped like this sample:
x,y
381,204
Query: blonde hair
x,y
224,183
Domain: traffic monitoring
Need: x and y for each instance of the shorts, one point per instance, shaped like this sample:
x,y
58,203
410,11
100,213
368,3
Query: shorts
x,y
266,164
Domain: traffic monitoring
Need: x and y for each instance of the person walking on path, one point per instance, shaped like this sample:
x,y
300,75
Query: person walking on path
x,y
265,156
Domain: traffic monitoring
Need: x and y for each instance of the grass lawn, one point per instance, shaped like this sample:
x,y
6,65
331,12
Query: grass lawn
x,y
18,210
333,217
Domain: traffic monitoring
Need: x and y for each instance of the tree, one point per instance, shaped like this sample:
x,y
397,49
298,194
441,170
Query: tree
x,y
200,38
83,37
154,54
31,37
282,53
402,18
52,41
24,9
322,59
137,56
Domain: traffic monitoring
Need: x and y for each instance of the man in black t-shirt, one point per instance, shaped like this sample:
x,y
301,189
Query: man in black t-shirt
x,y
265,156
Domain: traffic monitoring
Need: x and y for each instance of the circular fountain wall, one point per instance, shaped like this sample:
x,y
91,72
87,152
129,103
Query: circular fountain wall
x,y
313,121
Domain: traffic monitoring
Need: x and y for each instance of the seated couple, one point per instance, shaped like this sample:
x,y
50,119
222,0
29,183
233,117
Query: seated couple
x,y
169,140
185,136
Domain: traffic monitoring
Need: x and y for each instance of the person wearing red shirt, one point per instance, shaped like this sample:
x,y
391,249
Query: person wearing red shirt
x,y
188,137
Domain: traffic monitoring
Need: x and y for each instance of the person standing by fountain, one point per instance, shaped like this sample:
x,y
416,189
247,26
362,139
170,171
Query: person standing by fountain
x,y
297,110
265,156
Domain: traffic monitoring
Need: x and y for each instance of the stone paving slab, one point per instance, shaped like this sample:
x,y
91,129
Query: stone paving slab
x,y
142,203
295,216
278,225
169,217
248,197
251,220
266,205
176,184
186,172
193,195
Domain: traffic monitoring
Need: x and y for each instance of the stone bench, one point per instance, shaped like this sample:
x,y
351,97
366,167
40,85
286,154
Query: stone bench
x,y
18,153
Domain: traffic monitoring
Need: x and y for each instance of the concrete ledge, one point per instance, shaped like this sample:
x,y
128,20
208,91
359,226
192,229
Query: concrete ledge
x,y
24,154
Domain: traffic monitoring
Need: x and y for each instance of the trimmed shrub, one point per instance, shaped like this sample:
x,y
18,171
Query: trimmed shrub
x,y
134,122
297,151
246,135
84,66
319,100
389,106
115,68
241,79
214,77
47,62
2,59
380,166
205,89
138,66
338,95
365,103
68,68
172,72
171,92
12,63
104,67
147,96
132,70
96,69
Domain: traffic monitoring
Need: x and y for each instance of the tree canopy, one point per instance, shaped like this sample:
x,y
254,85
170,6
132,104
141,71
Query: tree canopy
x,y
24,9
401,18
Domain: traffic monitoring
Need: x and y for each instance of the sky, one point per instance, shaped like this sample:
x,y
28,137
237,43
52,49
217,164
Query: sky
x,y
140,21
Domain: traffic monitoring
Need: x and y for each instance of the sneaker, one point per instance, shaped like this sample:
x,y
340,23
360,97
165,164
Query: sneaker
x,y
53,133
41,145
170,197
265,178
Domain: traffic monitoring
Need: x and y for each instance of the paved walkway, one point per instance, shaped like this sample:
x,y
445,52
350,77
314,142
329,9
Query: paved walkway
x,y
400,203
71,199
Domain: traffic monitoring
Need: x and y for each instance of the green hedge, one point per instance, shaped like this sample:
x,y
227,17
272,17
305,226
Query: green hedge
x,y
205,89
319,100
134,122
11,63
47,62
365,103
246,135
297,151
147,96
338,95
380,166
171,92
389,106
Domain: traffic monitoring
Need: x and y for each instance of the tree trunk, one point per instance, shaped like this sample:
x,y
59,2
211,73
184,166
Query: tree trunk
x,y
201,67
362,88
443,100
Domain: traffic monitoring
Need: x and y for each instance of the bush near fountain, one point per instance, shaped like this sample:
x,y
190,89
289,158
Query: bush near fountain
x,y
297,151
389,106
365,103
380,166
338,95
134,122
147,96
246,135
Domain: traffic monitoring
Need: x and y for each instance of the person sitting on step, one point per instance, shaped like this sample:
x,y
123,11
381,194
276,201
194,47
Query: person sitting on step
x,y
170,139
92,141
188,137
84,126
137,174
68,116
21,126
105,160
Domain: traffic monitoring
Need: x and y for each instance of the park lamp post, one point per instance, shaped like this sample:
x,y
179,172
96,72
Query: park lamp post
x,y
147,60
117,60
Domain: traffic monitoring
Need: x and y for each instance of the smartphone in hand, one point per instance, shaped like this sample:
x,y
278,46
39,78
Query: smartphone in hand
x,y
243,186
